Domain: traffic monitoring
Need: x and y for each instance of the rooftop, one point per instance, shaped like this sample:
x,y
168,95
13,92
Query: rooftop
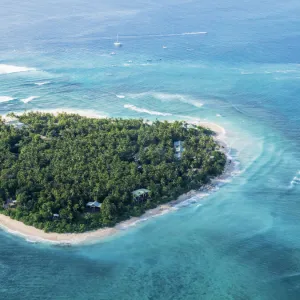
x,y
94,204
178,143
140,192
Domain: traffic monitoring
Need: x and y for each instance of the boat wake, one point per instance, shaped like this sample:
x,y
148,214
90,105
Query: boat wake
x,y
160,35
170,34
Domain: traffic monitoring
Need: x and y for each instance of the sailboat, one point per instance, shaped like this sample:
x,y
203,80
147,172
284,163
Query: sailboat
x,y
117,43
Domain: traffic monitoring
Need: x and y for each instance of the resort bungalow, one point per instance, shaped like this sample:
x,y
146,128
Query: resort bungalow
x,y
191,126
140,195
94,206
178,145
10,204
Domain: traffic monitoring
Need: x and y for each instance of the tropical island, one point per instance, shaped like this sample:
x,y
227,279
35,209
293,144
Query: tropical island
x,y
69,173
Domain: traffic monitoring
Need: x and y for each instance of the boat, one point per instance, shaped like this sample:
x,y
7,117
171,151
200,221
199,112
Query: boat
x,y
117,43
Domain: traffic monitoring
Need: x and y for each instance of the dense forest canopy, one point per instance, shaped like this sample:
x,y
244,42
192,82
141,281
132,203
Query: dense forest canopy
x,y
57,164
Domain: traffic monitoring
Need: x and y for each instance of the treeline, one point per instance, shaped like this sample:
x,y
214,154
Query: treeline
x,y
56,164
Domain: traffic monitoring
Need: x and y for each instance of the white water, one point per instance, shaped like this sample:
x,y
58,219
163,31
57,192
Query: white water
x,y
146,111
5,99
8,69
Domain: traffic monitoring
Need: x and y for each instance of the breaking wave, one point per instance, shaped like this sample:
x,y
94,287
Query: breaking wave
x,y
5,99
42,83
143,110
169,97
8,69
177,97
295,180
26,100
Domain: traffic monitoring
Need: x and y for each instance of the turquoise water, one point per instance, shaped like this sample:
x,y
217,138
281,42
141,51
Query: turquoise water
x,y
242,241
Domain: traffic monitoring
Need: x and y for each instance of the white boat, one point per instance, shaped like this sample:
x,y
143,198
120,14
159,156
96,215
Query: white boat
x,y
117,43
165,47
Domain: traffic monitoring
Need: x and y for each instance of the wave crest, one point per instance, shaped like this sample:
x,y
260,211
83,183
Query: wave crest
x,y
42,83
26,100
5,99
295,180
143,110
8,69
170,97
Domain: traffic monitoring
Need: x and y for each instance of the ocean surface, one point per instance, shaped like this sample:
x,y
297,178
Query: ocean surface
x,y
240,242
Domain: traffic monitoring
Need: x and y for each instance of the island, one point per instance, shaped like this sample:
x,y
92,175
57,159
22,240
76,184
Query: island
x,y
67,173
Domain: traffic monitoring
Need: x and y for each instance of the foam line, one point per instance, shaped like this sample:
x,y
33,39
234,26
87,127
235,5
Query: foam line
x,y
8,69
26,100
143,110
5,99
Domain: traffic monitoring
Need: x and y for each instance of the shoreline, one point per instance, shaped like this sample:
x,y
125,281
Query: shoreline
x,y
34,235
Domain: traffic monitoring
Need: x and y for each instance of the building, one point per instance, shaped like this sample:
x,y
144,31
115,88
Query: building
x,y
191,126
140,195
178,145
10,204
94,206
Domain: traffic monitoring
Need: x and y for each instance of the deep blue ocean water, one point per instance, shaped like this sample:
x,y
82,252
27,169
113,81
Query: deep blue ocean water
x,y
242,241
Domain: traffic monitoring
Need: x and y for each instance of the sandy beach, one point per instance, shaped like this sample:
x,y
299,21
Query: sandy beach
x,y
33,234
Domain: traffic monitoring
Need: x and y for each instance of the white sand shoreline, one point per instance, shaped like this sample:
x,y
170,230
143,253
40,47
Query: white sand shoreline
x,y
33,234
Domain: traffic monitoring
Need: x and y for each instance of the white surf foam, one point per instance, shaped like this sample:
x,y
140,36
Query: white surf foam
x,y
5,99
29,238
169,97
7,69
143,110
26,100
42,83
295,180
178,97
120,96
193,200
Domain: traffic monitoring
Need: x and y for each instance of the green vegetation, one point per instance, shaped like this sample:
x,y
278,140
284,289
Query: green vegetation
x,y
57,164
